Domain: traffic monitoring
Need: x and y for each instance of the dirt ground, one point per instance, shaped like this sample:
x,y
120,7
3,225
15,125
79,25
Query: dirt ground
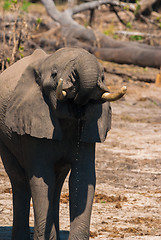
x,y
128,166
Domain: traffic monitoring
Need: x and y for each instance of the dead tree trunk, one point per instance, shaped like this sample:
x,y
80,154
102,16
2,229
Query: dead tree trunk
x,y
100,45
146,6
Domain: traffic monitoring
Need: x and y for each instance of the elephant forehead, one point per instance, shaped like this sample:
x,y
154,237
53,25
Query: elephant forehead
x,y
62,57
58,64
65,55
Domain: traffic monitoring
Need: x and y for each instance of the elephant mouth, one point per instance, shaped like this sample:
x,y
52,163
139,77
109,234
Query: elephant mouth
x,y
79,111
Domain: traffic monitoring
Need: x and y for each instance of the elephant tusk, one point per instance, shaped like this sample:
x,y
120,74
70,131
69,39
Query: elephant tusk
x,y
60,93
110,97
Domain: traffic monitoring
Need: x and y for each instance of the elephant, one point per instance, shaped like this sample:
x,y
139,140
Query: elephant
x,y
53,109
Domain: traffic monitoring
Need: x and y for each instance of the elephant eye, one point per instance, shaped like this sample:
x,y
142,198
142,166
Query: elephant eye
x,y
53,74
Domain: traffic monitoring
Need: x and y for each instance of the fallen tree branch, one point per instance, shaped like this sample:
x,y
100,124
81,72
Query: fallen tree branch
x,y
146,5
147,20
134,73
117,15
102,47
127,33
130,55
95,4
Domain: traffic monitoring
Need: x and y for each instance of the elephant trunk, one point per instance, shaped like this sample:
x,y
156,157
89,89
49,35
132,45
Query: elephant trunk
x,y
87,69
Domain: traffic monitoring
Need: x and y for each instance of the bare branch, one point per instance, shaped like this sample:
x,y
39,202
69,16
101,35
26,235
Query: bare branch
x,y
63,18
95,4
51,9
117,15
127,33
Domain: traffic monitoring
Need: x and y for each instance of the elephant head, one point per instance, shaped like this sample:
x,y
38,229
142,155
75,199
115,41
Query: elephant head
x,y
68,84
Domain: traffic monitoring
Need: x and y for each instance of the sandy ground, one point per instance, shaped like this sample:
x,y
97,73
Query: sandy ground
x,y
128,165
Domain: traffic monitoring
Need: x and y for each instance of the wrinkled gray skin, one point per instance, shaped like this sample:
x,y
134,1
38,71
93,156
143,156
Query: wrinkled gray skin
x,y
42,138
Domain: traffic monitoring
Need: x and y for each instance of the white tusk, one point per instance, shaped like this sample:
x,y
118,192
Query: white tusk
x,y
60,93
110,97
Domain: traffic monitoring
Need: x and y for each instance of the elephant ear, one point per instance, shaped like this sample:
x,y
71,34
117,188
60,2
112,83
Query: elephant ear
x,y
27,111
95,128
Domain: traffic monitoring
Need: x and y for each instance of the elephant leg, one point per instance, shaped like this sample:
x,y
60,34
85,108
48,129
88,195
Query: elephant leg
x,y
42,196
61,174
81,187
42,184
21,195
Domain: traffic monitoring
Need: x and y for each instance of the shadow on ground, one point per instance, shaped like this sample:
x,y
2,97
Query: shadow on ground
x,y
6,232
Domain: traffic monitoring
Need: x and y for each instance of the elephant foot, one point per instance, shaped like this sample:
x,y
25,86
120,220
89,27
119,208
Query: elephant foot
x,y
64,235
78,237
